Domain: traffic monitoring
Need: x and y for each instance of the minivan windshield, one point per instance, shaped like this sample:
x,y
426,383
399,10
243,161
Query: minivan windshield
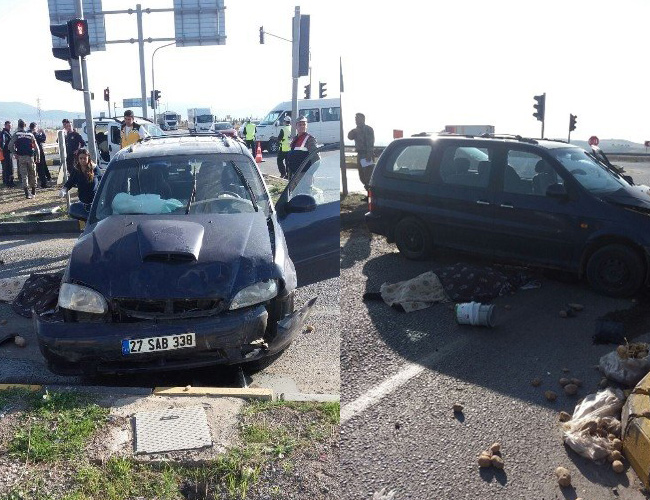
x,y
164,185
271,118
590,174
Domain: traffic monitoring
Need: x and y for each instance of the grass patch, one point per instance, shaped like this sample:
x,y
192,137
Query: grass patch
x,y
18,396
276,187
57,427
330,411
353,201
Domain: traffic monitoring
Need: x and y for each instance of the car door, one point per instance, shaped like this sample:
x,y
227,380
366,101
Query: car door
x,y
460,206
530,225
313,236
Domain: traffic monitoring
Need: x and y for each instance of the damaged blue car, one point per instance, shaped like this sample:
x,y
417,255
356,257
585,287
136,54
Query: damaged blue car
x,y
183,261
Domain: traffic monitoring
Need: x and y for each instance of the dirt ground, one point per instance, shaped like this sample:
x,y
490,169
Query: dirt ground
x,y
14,204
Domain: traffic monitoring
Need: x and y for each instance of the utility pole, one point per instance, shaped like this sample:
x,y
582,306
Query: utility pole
x,y
294,72
90,126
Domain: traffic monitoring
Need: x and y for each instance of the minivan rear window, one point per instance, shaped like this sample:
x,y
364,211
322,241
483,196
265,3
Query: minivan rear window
x,y
411,161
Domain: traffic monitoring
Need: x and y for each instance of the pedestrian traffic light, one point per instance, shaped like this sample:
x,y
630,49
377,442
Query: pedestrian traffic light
x,y
572,122
156,95
72,75
107,95
541,104
261,35
322,91
79,41
308,91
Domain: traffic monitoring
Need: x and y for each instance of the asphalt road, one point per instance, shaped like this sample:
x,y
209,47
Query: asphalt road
x,y
309,365
402,373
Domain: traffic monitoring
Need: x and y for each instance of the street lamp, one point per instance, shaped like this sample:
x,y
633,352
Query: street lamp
x,y
153,81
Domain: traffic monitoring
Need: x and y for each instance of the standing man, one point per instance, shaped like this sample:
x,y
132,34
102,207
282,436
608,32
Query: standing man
x,y
131,132
301,146
41,165
364,143
73,142
284,139
7,164
249,135
23,144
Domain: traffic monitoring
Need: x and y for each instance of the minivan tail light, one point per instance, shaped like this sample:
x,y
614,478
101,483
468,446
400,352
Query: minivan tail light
x,y
369,200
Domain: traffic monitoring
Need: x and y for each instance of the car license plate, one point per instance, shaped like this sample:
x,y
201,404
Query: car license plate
x,y
155,344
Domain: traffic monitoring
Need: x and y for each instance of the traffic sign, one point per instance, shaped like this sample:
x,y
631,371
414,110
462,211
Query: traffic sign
x,y
647,144
593,141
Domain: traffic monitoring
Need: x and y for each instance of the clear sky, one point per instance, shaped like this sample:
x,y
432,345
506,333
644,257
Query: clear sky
x,y
413,65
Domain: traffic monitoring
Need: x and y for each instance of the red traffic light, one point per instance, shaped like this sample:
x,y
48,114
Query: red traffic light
x,y
80,28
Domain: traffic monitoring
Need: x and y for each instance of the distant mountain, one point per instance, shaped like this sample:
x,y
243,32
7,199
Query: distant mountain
x,y
49,118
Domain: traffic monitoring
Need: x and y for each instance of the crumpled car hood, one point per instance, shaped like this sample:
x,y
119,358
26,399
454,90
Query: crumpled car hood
x,y
162,257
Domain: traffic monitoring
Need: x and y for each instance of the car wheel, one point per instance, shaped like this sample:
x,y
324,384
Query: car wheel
x,y
274,145
615,270
412,238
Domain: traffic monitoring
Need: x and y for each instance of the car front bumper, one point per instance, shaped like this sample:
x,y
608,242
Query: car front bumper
x,y
233,337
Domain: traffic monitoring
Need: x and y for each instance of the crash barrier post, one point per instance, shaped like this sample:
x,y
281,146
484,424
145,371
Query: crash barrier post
x,y
64,166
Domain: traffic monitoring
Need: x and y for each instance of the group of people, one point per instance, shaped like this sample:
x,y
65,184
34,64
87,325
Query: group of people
x,y
26,145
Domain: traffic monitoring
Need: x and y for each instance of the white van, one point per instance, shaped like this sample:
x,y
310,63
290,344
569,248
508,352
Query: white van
x,y
107,136
323,117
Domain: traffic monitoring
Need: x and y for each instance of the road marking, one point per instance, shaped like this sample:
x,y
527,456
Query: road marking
x,y
376,393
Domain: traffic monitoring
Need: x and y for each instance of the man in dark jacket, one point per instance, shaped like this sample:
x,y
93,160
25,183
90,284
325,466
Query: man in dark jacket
x,y
7,164
73,142
301,147
41,166
364,142
23,144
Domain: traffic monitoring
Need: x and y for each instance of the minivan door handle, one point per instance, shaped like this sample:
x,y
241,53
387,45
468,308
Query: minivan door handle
x,y
482,202
506,205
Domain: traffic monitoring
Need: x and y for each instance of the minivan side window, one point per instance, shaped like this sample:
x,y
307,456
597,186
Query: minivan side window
x,y
411,161
312,115
528,173
331,114
466,166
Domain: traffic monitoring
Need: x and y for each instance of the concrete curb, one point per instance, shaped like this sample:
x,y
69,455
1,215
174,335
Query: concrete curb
x,y
228,392
40,227
99,389
28,387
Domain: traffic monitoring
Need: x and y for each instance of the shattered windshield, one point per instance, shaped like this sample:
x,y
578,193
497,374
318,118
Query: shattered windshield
x,y
164,185
588,172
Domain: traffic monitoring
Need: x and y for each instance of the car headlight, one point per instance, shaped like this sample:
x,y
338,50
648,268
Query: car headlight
x,y
255,294
81,298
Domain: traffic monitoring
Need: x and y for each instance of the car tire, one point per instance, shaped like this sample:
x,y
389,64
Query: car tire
x,y
412,238
274,145
616,271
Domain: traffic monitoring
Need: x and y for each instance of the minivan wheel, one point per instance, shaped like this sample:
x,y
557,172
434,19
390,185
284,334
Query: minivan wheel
x,y
615,270
412,238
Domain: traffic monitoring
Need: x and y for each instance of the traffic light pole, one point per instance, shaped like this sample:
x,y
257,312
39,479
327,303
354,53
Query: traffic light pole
x,y
294,73
90,125
143,83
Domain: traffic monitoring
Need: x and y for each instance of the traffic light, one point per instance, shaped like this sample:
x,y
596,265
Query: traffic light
x,y
308,91
541,104
572,122
107,95
72,75
78,41
261,35
156,95
322,91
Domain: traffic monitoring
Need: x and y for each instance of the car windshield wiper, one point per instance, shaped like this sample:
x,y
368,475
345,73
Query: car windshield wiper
x,y
243,180
193,193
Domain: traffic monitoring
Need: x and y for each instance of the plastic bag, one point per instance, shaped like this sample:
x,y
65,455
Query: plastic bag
x,y
124,203
593,420
624,371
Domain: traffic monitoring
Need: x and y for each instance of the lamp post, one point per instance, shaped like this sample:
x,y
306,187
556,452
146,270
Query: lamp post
x,y
153,81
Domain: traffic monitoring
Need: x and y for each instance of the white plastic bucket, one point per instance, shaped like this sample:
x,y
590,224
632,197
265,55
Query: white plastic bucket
x,y
475,314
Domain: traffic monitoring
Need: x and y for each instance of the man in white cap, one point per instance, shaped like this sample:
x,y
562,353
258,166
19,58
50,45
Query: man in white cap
x,y
284,141
301,146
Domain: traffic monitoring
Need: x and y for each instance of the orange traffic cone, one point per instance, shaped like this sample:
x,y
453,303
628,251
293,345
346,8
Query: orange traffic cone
x,y
258,156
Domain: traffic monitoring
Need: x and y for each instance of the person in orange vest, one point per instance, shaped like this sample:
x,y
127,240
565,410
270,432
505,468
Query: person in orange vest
x,y
302,145
131,132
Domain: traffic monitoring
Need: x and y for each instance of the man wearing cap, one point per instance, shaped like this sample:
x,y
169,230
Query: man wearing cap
x,y
284,139
23,145
364,143
301,146
73,142
131,132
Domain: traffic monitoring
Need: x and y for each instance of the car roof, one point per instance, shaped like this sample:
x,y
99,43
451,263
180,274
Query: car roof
x,y
183,144
491,138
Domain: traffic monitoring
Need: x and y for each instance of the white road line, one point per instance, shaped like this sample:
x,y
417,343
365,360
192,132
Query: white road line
x,y
376,393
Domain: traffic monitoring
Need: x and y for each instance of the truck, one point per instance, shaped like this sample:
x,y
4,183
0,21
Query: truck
x,y
199,120
168,120
469,129
323,118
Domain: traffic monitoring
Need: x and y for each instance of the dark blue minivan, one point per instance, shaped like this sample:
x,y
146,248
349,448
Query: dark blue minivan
x,y
534,202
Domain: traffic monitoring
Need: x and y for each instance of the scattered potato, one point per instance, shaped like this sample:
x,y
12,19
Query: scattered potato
x,y
576,381
495,448
615,455
536,382
622,352
309,329
19,341
507,307
563,314
577,307
563,477
484,460
497,461
617,444
564,416
571,389
618,466
550,395
564,381
457,408
566,370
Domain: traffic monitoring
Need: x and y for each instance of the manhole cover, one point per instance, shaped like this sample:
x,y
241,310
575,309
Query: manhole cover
x,y
170,430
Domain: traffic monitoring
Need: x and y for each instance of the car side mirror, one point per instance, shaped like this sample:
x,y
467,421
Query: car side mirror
x,y
79,211
557,191
301,203
277,123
